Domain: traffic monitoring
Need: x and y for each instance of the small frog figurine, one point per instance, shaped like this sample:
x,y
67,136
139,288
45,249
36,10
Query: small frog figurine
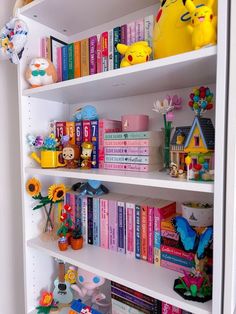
x,y
87,148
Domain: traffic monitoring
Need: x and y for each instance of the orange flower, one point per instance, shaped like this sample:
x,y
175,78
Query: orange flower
x,y
46,299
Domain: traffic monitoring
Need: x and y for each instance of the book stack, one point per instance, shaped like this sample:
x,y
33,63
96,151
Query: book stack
x,y
126,300
97,53
133,151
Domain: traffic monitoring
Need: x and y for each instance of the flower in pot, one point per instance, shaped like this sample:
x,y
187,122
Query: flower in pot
x,y
46,303
76,239
66,223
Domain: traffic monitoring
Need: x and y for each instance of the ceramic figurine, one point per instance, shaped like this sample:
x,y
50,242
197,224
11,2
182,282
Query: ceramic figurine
x,y
87,148
174,170
71,154
41,72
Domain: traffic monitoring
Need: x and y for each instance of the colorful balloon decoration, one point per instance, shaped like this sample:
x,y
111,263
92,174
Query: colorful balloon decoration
x,y
201,100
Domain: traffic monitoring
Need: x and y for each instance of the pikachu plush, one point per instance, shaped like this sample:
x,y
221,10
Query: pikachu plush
x,y
171,35
136,53
203,24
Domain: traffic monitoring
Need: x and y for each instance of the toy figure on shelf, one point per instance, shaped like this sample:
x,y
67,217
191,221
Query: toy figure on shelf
x,y
71,154
91,187
77,307
47,304
87,148
202,26
136,53
195,286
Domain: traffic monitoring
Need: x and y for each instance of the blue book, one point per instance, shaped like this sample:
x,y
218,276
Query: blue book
x,y
177,260
94,136
137,232
65,60
96,222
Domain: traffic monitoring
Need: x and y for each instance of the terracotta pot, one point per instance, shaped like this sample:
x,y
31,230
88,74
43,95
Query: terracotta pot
x,y
77,244
68,236
63,244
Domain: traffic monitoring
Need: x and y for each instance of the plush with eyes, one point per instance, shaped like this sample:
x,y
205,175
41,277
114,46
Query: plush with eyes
x,y
41,72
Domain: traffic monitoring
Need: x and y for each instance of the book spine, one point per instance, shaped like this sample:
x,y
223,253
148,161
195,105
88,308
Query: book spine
x,y
129,167
177,260
48,48
121,227
77,57
60,129
128,135
130,232
99,53
113,230
59,64
170,235
166,308
121,308
177,252
143,151
70,131
144,233
137,294
131,33
87,131
131,304
104,221
170,243
104,51
72,205
128,159
94,138
84,57
127,143
123,34
43,45
148,31
157,237
78,211
116,39
93,55
78,133
131,298
96,222
65,63
150,228
110,50
84,218
71,64
90,220
174,266
139,30
137,232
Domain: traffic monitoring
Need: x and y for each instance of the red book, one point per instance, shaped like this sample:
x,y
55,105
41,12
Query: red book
x,y
144,232
60,129
104,49
87,136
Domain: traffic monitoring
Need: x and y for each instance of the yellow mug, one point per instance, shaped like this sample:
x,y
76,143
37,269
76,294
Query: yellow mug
x,y
49,159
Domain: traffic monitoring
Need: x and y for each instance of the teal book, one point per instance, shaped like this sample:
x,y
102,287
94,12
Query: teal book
x,y
116,40
131,135
65,63
71,62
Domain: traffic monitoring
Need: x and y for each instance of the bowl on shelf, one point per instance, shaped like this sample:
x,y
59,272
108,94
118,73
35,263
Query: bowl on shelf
x,y
198,214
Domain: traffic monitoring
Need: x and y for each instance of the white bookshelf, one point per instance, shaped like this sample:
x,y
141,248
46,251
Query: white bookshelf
x,y
115,93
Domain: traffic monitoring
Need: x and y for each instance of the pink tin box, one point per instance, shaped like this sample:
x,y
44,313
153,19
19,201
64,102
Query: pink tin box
x,y
135,123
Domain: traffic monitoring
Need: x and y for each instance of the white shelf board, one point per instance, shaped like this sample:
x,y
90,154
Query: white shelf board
x,y
176,72
73,16
152,179
139,275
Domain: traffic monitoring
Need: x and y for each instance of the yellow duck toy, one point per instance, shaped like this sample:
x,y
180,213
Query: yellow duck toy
x,y
203,24
136,53
171,35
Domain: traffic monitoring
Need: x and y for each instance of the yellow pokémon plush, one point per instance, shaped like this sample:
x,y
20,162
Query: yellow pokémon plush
x,y
136,53
171,35
203,24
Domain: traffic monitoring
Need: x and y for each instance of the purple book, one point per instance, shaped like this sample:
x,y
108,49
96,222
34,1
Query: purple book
x,y
112,225
90,220
121,227
93,55
123,34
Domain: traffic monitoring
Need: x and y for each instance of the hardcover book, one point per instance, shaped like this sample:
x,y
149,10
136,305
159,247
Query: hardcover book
x,y
93,55
132,135
148,142
96,221
90,219
59,64
145,160
87,134
77,59
121,227
71,63
110,50
123,34
140,151
65,73
99,53
70,131
116,40
131,37
131,167
94,139
84,57
84,218
78,133
60,129
104,51
139,30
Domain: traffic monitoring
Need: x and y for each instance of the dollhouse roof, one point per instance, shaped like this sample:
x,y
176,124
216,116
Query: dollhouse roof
x,y
180,130
207,132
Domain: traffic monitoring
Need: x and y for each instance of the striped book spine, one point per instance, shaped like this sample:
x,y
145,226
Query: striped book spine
x,y
141,151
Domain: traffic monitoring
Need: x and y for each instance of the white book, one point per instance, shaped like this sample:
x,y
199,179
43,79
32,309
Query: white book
x,y
110,50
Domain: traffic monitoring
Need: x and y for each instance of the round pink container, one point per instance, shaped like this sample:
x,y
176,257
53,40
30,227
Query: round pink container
x,y
135,123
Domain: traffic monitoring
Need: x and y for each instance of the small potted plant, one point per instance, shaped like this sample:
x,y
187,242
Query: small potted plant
x,y
47,304
66,223
76,239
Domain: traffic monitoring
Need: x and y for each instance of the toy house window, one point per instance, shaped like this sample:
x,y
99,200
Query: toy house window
x,y
196,141
194,161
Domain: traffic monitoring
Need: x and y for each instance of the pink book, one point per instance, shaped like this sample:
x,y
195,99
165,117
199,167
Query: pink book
x,y
115,143
175,267
177,252
150,228
43,47
141,151
59,64
130,167
105,126
170,309
104,222
139,30
93,55
72,204
99,53
131,38
170,235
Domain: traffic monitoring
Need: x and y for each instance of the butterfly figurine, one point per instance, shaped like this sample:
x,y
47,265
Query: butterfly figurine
x,y
191,241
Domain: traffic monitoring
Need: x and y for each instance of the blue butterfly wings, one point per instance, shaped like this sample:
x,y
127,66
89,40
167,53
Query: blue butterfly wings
x,y
189,238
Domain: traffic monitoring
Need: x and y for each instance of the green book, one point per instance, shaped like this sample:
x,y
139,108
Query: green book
x,y
116,40
71,62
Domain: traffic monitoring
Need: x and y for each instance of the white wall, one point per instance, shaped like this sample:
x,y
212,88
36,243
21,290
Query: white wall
x,y
11,265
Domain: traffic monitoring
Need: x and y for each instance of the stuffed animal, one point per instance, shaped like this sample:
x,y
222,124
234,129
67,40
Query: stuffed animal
x,y
19,4
41,72
171,35
136,53
203,24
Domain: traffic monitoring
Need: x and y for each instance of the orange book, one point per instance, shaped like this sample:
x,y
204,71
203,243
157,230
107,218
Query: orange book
x,y
84,57
144,232
77,59
70,130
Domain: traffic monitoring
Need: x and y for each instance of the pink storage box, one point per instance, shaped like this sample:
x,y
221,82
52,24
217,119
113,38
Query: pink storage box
x,y
135,123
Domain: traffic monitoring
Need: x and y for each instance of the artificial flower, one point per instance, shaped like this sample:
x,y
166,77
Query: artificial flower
x,y
50,143
67,208
63,217
38,141
33,187
176,101
46,299
162,107
56,192
71,276
30,139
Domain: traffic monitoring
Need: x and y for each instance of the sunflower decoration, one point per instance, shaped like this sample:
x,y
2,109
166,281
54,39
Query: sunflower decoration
x,y
56,192
33,187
